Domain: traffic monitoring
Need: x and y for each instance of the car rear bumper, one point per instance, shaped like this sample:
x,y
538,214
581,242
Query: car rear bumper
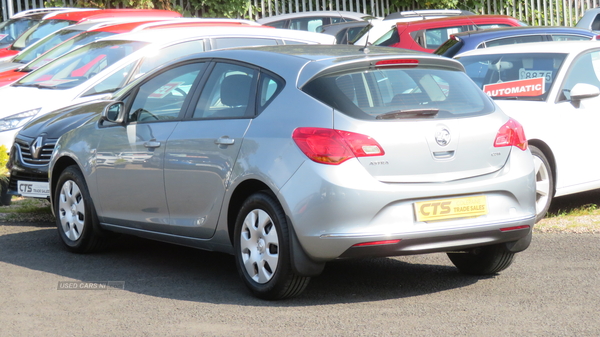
x,y
350,207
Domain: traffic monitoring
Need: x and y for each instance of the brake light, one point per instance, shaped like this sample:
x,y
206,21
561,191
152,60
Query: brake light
x,y
397,63
511,134
376,243
333,147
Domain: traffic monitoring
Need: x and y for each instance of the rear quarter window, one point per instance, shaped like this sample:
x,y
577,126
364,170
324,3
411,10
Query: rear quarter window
x,y
368,94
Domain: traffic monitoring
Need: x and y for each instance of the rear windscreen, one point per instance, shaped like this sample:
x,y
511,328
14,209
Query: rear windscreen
x,y
401,92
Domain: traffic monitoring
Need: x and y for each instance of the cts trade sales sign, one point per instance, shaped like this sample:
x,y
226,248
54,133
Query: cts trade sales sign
x,y
527,87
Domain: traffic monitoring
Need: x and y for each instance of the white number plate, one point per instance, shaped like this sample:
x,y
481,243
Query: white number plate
x,y
527,74
35,189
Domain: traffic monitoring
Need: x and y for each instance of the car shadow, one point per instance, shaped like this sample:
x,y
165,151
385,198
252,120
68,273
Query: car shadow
x,y
181,273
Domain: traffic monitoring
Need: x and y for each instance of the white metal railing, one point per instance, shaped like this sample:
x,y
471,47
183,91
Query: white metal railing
x,y
533,12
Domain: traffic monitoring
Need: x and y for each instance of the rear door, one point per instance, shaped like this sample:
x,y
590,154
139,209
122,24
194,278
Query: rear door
x,y
201,151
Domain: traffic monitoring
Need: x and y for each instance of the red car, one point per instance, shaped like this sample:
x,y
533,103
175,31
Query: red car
x,y
428,35
12,75
52,23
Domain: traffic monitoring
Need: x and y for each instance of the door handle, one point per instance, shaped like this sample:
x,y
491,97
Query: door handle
x,y
152,144
225,141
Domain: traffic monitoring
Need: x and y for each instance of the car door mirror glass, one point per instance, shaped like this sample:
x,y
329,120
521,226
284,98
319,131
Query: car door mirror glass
x,y
114,112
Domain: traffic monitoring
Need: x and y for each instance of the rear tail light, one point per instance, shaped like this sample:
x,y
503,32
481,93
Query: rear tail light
x,y
333,147
511,134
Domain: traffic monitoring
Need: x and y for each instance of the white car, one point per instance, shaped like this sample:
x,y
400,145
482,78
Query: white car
x,y
553,90
104,66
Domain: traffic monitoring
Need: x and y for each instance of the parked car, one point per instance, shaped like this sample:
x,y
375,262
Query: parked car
x,y
62,19
311,21
551,88
345,32
292,156
75,36
63,83
461,42
380,27
20,22
590,19
428,35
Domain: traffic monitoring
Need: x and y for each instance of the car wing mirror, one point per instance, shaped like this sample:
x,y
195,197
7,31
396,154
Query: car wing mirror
x,y
114,113
582,91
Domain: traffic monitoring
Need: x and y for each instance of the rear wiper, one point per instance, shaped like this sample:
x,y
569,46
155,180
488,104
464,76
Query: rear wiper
x,y
408,113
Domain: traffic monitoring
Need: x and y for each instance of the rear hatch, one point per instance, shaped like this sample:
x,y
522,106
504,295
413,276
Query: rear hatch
x,y
431,124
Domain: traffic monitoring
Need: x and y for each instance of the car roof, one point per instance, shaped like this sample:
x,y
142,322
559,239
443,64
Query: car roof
x,y
345,14
510,31
308,61
39,13
467,19
166,35
99,14
563,47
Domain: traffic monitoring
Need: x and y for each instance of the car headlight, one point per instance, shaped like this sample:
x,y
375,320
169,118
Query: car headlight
x,y
17,120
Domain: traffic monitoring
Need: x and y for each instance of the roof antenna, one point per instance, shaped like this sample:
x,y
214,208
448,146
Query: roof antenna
x,y
365,49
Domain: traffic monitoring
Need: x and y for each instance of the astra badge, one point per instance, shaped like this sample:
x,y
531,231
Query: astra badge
x,y
442,136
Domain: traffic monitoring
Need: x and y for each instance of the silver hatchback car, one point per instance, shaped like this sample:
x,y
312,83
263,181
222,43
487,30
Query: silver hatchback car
x,y
292,156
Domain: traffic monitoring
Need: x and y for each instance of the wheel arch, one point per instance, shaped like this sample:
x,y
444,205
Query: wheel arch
x,y
60,165
549,156
301,263
239,195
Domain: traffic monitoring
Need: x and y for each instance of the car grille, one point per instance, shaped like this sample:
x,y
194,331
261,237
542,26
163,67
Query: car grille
x,y
45,153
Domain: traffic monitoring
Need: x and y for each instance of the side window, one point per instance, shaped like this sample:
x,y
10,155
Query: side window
x,y
229,42
514,40
168,54
436,36
310,24
228,93
113,82
269,86
568,37
586,69
162,97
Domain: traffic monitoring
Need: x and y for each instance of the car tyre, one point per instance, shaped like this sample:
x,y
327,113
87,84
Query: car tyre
x,y
76,219
483,260
262,249
544,183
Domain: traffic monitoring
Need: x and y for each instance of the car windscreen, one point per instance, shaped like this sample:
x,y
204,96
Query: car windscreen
x,y
522,76
389,38
450,48
39,31
60,49
78,66
421,92
11,29
44,45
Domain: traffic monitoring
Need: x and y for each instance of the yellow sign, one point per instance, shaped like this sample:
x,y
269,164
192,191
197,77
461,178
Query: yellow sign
x,y
443,209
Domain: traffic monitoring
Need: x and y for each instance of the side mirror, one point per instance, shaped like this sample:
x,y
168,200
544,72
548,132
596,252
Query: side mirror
x,y
114,113
582,91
